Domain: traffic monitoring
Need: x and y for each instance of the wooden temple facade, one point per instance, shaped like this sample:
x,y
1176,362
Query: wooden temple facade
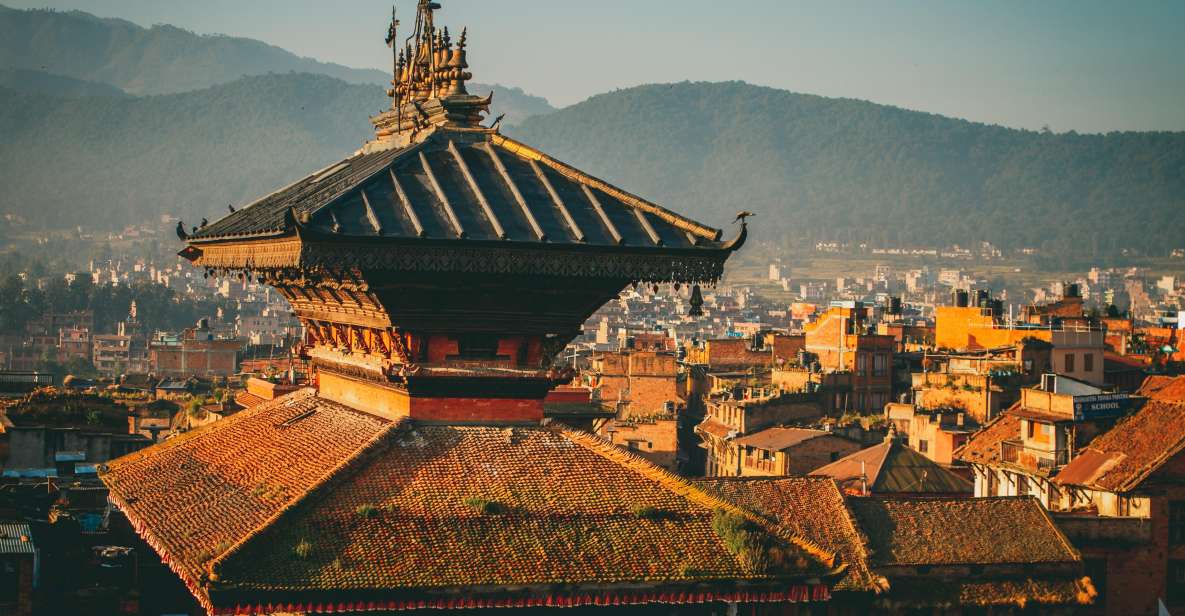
x,y
438,271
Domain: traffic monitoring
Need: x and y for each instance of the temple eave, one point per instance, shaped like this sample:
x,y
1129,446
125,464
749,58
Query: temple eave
x,y
698,265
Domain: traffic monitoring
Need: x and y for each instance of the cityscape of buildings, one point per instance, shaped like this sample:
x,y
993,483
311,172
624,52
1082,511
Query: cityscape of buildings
x,y
453,373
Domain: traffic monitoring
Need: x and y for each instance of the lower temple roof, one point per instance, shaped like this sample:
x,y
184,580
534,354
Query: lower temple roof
x,y
306,501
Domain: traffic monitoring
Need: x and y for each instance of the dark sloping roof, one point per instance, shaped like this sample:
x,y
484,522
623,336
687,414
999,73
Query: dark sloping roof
x,y
948,531
16,539
808,507
302,497
1120,459
892,467
474,186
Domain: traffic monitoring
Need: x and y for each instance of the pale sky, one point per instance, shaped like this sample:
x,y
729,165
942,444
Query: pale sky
x,y
1086,65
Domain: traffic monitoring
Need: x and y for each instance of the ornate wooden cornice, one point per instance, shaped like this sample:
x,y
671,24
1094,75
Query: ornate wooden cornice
x,y
312,256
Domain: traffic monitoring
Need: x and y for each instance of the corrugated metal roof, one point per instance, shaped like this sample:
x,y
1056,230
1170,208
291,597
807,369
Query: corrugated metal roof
x,y
16,539
456,188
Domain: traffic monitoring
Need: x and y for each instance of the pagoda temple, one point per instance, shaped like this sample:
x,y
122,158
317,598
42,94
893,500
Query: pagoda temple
x,y
437,272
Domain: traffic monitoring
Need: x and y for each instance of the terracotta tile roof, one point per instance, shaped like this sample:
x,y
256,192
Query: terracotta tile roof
x,y
808,507
893,467
776,439
248,400
195,495
1120,459
309,500
714,428
948,531
992,593
1171,389
984,446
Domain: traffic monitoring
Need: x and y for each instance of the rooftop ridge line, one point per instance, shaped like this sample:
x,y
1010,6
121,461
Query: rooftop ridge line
x,y
578,176
690,491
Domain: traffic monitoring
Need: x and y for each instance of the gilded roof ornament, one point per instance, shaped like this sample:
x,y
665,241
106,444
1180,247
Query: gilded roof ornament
x,y
428,83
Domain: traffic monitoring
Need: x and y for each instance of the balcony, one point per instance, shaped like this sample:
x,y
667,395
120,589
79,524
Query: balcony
x,y
1040,460
1104,531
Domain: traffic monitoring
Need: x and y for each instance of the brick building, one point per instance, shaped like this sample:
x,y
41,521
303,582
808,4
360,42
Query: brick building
x,y
1117,489
640,383
838,342
195,353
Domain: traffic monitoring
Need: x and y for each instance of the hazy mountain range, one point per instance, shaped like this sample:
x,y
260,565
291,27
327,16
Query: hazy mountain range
x,y
106,123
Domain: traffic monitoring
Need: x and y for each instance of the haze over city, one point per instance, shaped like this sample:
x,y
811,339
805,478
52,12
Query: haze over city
x,y
1089,66
567,308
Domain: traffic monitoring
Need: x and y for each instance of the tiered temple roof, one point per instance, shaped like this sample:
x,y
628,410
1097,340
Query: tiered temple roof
x,y
310,503
437,272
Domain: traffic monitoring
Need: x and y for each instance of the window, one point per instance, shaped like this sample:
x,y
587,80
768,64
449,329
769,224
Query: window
x,y
1088,362
880,364
1177,523
861,364
1069,362
1022,485
923,446
1175,584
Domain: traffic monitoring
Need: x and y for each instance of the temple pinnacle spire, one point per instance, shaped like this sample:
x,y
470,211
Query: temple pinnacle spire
x,y
428,85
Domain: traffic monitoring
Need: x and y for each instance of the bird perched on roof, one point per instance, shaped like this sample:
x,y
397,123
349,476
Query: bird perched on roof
x,y
742,215
181,234
204,223
231,208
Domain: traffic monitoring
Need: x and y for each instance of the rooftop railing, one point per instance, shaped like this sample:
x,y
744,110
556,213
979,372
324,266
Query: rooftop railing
x,y
1042,460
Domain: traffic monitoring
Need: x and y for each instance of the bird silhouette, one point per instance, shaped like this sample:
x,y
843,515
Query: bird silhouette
x,y
204,223
181,234
742,215
231,208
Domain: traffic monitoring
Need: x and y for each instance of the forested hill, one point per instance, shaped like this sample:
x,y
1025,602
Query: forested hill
x,y
819,168
162,59
106,162
165,59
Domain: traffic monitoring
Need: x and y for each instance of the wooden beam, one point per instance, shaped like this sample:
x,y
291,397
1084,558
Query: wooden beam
x,y
481,198
648,227
370,214
559,203
518,196
444,202
596,203
406,203
692,238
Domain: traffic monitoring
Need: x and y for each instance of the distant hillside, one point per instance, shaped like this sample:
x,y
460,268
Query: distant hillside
x,y
105,162
818,168
166,60
40,82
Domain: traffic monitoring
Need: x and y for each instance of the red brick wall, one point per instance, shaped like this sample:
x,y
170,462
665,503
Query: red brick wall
x,y
735,353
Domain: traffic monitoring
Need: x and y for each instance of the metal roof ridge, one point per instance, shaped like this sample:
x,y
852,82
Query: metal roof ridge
x,y
634,201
